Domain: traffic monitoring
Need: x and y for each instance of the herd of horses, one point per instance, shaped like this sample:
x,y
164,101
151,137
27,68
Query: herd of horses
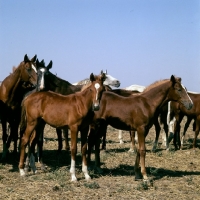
x,y
31,97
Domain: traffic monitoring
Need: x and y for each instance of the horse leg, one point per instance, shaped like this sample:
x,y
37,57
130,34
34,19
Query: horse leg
x,y
132,137
157,127
196,132
74,135
177,139
4,138
66,136
30,159
166,129
184,131
104,141
120,137
24,141
91,143
59,135
39,140
141,153
84,134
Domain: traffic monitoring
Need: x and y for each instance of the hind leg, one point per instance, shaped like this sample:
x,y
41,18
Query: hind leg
x,y
196,132
24,141
185,129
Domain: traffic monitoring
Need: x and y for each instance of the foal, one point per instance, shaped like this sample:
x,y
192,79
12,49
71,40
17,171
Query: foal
x,y
135,113
73,111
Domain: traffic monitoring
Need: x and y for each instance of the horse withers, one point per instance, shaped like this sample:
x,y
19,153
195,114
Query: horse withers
x,y
135,113
73,111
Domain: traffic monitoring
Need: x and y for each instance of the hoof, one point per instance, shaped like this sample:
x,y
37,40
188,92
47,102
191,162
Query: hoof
x,y
87,178
138,177
148,182
22,172
98,170
74,179
132,150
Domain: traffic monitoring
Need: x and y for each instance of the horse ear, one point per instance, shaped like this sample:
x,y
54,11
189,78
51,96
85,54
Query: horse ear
x,y
37,62
34,58
26,59
42,62
173,79
179,79
92,77
103,77
50,65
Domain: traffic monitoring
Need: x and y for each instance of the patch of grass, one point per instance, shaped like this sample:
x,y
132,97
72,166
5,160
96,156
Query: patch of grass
x,y
142,186
93,185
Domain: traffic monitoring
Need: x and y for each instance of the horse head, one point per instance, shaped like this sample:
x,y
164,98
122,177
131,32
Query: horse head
x,y
98,87
42,72
28,71
110,80
178,91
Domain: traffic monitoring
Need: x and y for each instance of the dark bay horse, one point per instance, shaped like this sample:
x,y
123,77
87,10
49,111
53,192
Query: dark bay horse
x,y
135,113
178,111
12,90
73,111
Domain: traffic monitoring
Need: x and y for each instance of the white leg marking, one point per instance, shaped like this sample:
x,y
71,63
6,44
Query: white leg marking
x,y
72,170
22,172
85,171
120,137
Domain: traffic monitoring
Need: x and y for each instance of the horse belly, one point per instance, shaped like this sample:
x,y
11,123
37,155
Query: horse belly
x,y
119,124
55,117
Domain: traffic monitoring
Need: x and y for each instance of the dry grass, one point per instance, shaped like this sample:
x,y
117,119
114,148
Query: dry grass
x,y
175,174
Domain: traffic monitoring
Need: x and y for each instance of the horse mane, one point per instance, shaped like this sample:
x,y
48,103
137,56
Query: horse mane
x,y
86,86
84,81
155,84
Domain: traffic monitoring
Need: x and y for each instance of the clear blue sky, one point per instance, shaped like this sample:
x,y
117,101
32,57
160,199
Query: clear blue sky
x,y
137,41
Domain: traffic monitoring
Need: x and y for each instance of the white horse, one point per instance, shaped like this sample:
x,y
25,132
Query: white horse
x,y
110,81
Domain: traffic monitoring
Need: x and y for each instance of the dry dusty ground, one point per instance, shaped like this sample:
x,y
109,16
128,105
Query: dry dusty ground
x,y
176,174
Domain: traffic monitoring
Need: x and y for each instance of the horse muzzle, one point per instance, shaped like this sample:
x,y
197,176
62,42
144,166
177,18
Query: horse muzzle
x,y
95,107
188,105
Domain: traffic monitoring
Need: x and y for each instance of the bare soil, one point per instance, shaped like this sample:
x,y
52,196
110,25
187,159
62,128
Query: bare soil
x,y
175,174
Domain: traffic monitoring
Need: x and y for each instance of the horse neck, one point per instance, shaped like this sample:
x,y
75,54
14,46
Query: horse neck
x,y
158,95
10,86
61,86
86,99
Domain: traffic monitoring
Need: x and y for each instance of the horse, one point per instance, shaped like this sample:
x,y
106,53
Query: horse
x,y
110,81
135,113
178,111
73,111
58,85
162,115
12,90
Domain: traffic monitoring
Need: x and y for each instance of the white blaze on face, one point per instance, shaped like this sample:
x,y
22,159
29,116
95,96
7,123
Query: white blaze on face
x,y
34,68
42,79
187,94
97,86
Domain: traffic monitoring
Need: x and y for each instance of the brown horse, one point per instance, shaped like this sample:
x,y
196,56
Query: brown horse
x,y
73,111
12,90
136,113
178,111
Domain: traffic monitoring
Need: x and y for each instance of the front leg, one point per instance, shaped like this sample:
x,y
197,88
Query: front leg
x,y
141,153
